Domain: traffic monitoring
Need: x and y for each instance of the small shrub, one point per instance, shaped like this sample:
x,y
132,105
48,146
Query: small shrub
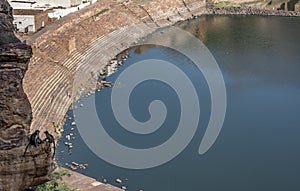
x,y
59,174
54,185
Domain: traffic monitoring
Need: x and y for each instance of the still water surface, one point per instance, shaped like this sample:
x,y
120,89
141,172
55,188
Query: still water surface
x,y
259,145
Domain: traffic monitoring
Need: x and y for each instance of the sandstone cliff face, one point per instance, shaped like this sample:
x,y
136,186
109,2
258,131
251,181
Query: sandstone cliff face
x,y
17,172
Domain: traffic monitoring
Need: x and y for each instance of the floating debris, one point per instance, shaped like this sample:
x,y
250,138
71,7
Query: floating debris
x,y
71,166
106,84
69,145
75,166
113,62
121,63
118,181
68,137
82,166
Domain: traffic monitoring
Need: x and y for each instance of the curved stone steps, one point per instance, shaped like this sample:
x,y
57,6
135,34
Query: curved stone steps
x,y
33,61
136,31
49,90
91,63
108,42
76,57
47,87
53,110
58,71
43,94
62,77
98,54
50,107
70,61
51,73
36,79
41,78
93,52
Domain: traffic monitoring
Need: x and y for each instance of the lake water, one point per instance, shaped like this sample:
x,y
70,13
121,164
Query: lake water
x,y
258,147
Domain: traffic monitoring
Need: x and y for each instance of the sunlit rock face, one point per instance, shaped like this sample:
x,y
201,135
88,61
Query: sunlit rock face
x,y
17,171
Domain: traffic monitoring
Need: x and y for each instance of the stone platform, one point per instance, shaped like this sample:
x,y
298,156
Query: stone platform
x,y
81,182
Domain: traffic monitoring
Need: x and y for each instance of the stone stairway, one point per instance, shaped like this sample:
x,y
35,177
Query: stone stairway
x,y
81,182
51,78
49,81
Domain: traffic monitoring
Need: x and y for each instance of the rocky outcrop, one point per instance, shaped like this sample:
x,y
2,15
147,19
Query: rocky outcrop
x,y
6,25
16,170
15,116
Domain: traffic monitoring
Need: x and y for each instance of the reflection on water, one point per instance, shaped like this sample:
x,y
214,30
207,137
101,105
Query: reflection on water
x,y
258,148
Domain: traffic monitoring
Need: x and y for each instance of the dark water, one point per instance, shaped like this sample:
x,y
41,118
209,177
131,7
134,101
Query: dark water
x,y
259,145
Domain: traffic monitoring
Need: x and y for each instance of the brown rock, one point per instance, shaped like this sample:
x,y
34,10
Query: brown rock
x,y
6,25
15,116
17,171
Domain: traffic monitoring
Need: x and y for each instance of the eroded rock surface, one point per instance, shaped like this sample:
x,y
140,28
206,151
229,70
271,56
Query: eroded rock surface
x,y
17,171
15,116
6,25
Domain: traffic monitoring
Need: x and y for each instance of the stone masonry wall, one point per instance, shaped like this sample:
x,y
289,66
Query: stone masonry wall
x,y
49,80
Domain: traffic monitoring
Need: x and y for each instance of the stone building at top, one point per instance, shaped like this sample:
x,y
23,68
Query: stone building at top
x,y
32,15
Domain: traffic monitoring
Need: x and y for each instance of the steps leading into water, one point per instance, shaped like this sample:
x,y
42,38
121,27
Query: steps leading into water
x,y
52,69
84,183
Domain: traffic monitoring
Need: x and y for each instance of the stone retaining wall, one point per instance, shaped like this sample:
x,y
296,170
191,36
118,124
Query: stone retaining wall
x,y
49,80
103,29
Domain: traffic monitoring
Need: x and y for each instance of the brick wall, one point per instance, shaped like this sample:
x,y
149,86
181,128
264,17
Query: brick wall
x,y
41,20
40,17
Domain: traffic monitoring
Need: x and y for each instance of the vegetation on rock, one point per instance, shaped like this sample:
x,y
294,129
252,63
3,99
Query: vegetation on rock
x,y
54,184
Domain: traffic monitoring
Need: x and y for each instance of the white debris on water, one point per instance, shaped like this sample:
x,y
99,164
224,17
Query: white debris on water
x,y
118,180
